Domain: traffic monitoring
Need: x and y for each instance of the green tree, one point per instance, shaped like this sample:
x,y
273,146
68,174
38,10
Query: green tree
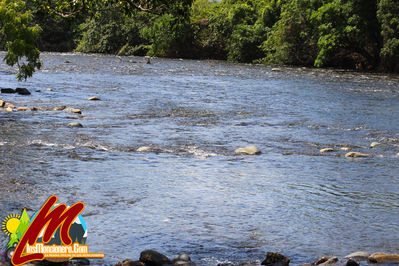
x,y
292,39
19,37
388,16
348,34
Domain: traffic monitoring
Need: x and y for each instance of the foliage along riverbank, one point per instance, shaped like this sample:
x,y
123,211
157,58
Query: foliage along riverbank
x,y
349,34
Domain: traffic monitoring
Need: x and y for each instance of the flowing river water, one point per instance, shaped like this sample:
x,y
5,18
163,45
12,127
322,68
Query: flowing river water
x,y
193,195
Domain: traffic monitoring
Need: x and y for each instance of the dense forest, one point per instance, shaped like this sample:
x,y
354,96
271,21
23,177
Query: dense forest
x,y
354,34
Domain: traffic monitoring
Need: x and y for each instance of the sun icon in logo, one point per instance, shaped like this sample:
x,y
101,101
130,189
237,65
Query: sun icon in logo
x,y
10,224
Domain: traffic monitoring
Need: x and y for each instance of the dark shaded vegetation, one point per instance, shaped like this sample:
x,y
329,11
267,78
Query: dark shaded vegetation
x,y
354,34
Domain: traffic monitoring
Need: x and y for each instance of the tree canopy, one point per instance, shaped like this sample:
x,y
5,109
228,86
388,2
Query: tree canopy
x,y
355,34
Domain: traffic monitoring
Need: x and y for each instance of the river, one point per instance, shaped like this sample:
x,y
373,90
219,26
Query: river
x,y
193,195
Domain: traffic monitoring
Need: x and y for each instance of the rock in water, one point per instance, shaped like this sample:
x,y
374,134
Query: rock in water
x,y
94,99
59,108
351,262
8,90
144,149
345,149
75,124
182,257
381,257
182,260
358,256
357,154
320,261
326,150
374,144
274,259
129,262
9,105
331,260
22,109
153,258
2,103
22,91
250,150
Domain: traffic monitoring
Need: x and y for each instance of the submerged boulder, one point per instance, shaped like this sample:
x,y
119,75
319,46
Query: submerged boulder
x,y
249,150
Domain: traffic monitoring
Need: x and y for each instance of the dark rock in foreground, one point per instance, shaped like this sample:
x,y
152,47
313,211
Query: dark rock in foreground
x,y
153,258
276,259
351,262
129,262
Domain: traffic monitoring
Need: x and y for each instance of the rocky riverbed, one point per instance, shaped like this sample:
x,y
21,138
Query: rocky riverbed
x,y
154,258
